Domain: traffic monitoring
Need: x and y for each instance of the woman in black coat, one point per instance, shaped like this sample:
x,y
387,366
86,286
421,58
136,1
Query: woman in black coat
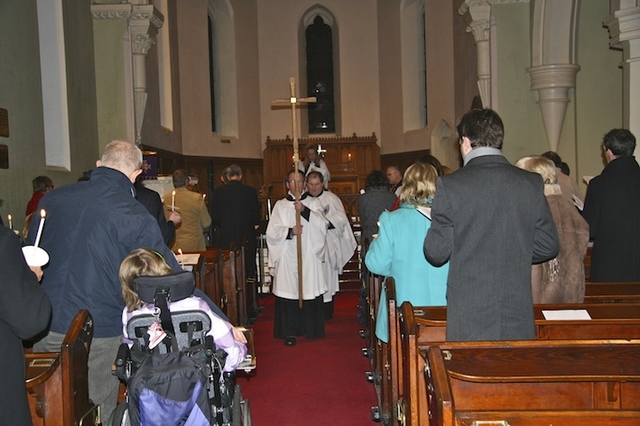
x,y
24,312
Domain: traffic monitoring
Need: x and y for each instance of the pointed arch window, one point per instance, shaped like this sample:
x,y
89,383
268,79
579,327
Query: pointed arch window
x,y
320,83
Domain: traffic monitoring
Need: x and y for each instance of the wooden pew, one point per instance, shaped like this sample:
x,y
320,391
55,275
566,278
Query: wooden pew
x,y
612,292
57,382
220,274
533,382
422,327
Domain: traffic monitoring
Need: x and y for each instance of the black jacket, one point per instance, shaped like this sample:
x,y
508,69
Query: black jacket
x,y
24,312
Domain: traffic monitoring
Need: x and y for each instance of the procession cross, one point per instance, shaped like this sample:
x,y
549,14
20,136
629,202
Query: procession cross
x,y
294,101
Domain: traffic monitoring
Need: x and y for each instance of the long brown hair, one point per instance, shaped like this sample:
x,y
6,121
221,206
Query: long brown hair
x,y
140,262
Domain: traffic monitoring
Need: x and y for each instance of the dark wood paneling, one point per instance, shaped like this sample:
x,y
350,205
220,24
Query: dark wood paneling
x,y
349,160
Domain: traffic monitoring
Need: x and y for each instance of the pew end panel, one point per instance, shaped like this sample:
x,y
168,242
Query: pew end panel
x,y
57,382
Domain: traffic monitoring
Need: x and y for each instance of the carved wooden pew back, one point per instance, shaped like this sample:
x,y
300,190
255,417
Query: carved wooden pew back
x,y
57,382
220,274
533,382
422,327
612,292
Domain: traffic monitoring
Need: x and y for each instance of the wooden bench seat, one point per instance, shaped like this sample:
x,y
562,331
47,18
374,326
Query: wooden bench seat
x,y
421,327
57,382
533,382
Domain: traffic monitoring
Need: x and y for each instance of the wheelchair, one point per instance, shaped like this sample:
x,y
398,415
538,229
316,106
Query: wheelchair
x,y
179,379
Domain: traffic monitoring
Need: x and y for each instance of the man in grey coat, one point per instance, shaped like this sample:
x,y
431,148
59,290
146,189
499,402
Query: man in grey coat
x,y
491,221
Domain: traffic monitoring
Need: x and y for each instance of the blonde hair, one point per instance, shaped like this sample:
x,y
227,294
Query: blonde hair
x,y
419,184
540,165
140,262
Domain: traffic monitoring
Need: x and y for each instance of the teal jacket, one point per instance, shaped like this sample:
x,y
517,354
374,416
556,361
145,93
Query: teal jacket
x,y
397,252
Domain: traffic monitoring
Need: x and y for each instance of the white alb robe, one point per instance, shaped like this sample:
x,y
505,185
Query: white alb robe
x,y
283,255
341,243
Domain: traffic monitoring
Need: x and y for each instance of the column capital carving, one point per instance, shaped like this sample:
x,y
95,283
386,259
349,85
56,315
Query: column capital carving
x,y
623,25
479,29
110,11
141,43
146,14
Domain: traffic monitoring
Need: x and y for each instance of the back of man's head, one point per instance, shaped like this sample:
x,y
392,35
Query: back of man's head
x,y
376,179
621,142
234,172
123,156
180,178
483,127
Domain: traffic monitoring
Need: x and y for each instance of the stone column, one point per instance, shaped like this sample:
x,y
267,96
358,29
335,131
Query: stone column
x,y
624,33
479,24
143,22
553,68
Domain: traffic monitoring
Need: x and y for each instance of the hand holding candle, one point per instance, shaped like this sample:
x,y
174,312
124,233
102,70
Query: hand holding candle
x,y
39,234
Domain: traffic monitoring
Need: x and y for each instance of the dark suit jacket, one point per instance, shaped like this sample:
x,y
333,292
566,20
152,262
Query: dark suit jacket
x,y
152,201
612,209
24,311
492,221
236,212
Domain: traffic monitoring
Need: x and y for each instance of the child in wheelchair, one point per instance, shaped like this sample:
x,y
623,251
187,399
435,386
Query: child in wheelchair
x,y
178,357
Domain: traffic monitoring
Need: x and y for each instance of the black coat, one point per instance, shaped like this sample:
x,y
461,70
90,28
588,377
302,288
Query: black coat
x,y
236,212
612,209
24,312
152,201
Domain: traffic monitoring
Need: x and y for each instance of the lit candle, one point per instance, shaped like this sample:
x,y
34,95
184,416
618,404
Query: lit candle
x,y
10,221
173,201
181,257
349,157
204,196
39,234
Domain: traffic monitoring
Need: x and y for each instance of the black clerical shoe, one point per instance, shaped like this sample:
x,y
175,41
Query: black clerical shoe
x,y
290,341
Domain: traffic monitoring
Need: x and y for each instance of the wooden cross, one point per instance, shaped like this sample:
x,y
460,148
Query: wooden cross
x,y
294,101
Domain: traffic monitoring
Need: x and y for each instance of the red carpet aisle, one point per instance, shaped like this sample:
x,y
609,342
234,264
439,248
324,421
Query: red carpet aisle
x,y
316,382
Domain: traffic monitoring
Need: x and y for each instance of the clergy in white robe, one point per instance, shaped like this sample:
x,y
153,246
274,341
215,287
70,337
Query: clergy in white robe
x,y
314,163
341,242
282,232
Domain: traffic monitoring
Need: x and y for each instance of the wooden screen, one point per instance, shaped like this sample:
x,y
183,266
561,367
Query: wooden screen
x,y
349,160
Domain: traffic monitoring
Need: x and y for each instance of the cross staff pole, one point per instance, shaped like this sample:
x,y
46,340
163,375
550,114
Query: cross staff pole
x,y
294,101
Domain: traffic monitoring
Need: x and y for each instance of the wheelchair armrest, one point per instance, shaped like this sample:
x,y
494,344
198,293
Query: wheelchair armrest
x,y
123,359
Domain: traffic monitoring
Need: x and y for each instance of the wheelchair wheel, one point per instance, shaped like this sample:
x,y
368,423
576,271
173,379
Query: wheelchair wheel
x,y
241,413
120,416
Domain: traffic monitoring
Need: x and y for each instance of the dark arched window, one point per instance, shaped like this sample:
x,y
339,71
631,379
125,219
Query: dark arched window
x,y
320,77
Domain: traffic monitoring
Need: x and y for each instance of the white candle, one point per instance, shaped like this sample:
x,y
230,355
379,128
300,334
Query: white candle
x,y
349,157
173,201
39,234
268,208
181,258
10,221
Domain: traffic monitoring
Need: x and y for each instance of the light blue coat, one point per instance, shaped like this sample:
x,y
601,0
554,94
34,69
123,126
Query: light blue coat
x,y
398,252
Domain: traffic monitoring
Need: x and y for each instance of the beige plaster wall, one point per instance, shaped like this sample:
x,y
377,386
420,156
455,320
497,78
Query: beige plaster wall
x,y
595,104
279,55
20,94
